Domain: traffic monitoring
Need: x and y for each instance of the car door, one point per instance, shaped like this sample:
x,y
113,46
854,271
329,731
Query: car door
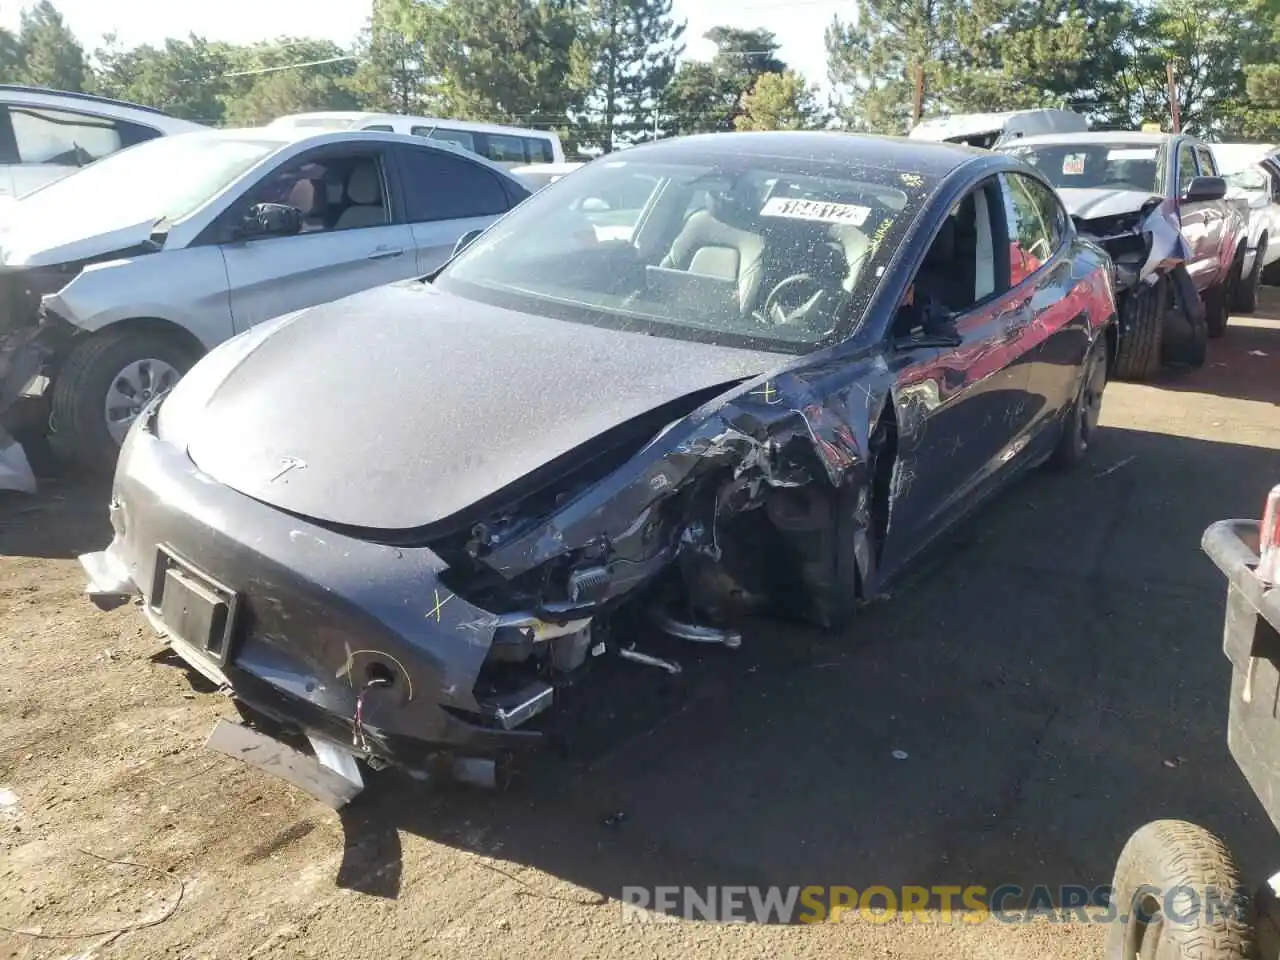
x,y
446,196
353,236
1196,218
968,402
1219,214
1058,326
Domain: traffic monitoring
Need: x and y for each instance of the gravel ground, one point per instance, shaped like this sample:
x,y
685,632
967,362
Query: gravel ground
x,y
1053,675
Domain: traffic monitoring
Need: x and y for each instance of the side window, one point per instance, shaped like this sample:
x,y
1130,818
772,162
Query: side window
x,y
539,150
1186,168
505,149
1207,167
461,137
1037,225
65,138
963,266
382,127
439,186
333,191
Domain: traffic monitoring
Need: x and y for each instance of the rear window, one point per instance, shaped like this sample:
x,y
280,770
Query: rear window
x,y
461,137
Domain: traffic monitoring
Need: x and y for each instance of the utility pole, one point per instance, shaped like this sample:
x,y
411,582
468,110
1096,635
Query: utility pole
x,y
917,98
1175,110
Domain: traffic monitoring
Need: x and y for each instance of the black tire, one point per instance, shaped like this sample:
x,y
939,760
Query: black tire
x,y
1176,867
1138,354
78,431
1215,307
1245,297
1081,418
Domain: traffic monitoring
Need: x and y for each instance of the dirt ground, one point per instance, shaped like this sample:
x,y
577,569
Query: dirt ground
x,y
1054,676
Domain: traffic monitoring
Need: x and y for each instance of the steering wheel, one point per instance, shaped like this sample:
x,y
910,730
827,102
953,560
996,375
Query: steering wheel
x,y
793,299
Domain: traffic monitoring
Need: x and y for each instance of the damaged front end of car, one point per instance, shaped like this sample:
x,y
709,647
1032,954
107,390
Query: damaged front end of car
x,y
1162,318
451,645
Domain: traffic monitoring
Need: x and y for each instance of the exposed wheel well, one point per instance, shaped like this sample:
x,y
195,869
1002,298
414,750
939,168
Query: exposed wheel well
x,y
161,328
884,453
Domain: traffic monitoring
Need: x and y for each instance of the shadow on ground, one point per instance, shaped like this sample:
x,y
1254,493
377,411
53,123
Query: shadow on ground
x,y
1054,678
1244,364
66,518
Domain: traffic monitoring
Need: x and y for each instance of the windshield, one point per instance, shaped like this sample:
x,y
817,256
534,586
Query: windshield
x,y
728,249
1109,166
167,177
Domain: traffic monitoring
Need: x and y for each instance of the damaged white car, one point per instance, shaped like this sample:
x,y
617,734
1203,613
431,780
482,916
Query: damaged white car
x,y
117,279
1157,204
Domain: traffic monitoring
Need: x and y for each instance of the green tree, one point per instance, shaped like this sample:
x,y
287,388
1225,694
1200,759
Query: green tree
x,y
288,75
51,55
629,50
509,61
392,75
704,97
10,58
184,77
779,101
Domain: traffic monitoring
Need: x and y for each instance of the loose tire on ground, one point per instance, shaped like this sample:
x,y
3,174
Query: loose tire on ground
x,y
78,430
1081,419
1245,299
1138,355
1161,866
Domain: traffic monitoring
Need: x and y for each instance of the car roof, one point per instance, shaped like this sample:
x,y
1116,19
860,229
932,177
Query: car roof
x,y
1097,136
19,93
927,157
358,116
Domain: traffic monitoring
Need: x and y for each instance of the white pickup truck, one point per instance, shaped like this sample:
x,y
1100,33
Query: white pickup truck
x,y
1252,172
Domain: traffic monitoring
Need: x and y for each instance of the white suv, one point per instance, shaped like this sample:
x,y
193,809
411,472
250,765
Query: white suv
x,y
47,134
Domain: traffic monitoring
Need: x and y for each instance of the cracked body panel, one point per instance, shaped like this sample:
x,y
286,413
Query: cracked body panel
x,y
428,565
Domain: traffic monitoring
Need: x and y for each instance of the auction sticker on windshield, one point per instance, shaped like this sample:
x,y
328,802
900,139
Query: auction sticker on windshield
x,y
1132,153
1073,164
817,210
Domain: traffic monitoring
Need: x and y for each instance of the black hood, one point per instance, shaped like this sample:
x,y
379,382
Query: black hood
x,y
402,406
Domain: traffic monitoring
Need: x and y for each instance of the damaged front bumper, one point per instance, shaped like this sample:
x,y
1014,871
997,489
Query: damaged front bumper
x,y
354,644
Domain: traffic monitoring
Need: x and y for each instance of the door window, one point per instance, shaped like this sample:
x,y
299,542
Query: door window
x,y
540,150
460,137
442,186
1186,168
66,138
1207,167
1037,225
333,191
505,149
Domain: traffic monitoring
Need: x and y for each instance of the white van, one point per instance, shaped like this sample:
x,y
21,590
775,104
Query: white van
x,y
508,146
992,129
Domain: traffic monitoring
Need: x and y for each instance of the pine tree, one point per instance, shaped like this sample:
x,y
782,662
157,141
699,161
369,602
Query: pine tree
x,y
779,101
705,97
632,46
51,55
392,75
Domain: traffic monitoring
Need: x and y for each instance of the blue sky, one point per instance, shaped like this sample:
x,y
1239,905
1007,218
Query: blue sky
x,y
798,24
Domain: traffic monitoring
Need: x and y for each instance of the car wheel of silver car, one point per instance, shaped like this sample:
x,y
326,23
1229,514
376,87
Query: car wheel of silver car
x,y
104,384
1082,419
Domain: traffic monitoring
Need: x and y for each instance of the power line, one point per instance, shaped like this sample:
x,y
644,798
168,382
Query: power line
x,y
287,66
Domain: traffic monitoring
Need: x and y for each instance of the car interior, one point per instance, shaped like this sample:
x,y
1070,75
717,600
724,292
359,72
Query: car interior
x,y
336,193
959,269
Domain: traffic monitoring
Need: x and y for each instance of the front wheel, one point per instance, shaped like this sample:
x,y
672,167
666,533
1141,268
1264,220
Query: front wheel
x,y
102,386
1177,894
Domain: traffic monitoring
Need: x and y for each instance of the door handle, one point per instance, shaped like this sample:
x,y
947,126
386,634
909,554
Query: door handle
x,y
386,253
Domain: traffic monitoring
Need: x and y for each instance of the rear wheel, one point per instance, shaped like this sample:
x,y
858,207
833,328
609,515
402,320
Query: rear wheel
x,y
1138,354
104,383
1082,418
1177,895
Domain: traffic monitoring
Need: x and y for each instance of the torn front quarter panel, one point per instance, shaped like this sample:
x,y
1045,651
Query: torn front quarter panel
x,y
768,443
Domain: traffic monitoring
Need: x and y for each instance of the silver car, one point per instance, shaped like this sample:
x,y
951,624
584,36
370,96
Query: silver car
x,y
115,280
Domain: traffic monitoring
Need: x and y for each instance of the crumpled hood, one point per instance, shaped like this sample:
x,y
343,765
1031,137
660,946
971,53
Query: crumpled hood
x,y
1088,204
401,406
31,242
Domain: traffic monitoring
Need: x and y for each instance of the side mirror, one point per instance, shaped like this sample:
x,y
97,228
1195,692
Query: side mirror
x,y
465,241
1206,189
271,220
